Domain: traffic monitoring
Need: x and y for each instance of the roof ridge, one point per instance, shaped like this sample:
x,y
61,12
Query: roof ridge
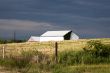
x,y
56,33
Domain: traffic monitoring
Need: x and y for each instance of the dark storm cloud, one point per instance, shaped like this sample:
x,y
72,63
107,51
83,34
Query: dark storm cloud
x,y
88,18
8,26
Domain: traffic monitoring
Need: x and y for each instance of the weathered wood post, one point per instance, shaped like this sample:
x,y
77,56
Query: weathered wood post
x,y
3,52
56,52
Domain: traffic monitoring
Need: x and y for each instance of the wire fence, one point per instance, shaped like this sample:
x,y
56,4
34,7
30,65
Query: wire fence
x,y
50,48
44,47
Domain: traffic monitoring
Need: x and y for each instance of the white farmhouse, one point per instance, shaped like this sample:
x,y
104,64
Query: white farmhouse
x,y
57,36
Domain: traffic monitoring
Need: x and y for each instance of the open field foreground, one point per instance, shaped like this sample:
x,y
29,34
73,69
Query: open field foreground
x,y
47,47
102,68
76,69
38,57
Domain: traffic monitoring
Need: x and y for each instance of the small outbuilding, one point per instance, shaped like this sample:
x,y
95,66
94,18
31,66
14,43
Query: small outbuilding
x,y
34,39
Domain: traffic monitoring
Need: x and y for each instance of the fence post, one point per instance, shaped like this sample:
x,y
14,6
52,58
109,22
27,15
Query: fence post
x,y
56,52
82,60
3,52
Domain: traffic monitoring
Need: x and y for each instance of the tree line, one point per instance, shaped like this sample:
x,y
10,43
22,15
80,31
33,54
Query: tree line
x,y
11,41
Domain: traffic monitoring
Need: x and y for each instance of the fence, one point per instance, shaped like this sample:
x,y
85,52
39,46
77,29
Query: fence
x,y
5,51
44,47
47,48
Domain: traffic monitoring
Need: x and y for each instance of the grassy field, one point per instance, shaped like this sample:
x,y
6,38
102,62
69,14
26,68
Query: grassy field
x,y
48,48
102,68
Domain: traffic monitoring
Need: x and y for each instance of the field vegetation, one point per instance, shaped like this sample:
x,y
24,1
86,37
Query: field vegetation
x,y
81,56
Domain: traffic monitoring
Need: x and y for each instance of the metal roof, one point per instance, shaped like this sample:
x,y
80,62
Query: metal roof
x,y
55,33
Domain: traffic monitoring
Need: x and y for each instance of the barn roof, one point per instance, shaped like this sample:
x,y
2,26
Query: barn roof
x,y
55,33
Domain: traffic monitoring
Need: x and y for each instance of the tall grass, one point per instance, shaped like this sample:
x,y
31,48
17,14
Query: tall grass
x,y
81,57
94,53
69,60
48,47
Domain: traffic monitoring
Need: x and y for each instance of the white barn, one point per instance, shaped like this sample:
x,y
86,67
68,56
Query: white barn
x,y
56,36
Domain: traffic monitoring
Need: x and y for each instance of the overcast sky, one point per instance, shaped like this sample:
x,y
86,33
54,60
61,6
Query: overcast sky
x,y
87,18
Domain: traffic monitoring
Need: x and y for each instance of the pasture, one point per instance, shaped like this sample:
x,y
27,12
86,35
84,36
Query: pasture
x,y
48,48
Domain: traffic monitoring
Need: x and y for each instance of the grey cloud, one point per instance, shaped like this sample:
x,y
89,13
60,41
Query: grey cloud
x,y
90,17
12,24
24,28
14,8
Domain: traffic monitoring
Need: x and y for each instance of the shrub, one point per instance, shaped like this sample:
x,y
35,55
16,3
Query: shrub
x,y
97,49
94,53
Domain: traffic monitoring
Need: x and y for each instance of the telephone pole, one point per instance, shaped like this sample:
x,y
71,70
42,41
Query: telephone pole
x,y
14,36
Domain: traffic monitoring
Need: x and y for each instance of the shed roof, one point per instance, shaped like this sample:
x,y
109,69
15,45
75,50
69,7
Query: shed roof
x,y
55,33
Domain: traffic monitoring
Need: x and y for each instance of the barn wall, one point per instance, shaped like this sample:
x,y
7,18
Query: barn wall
x,y
51,38
74,36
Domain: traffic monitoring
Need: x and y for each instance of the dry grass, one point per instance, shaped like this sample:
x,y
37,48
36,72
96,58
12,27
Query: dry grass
x,y
48,47
101,68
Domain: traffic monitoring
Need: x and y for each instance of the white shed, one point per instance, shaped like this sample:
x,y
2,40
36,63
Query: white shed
x,y
34,39
58,36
